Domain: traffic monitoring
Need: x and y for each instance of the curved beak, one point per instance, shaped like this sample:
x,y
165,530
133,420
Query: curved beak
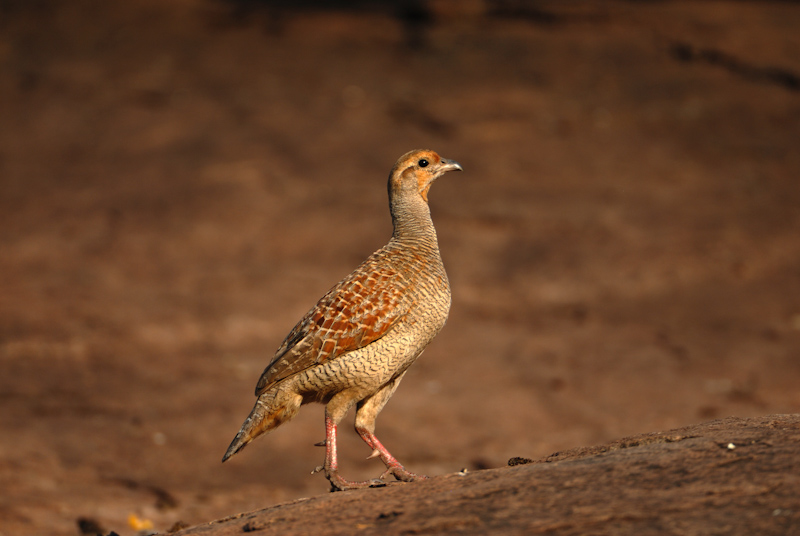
x,y
450,165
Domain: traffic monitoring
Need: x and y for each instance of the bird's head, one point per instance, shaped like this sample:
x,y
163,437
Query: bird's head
x,y
415,171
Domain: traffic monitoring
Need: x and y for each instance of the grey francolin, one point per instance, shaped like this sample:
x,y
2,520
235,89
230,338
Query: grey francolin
x,y
354,346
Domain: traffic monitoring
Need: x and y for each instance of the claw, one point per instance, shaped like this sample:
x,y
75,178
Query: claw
x,y
385,474
340,484
317,469
400,473
375,454
322,443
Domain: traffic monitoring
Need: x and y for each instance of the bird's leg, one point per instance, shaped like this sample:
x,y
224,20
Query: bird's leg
x,y
393,467
366,413
331,466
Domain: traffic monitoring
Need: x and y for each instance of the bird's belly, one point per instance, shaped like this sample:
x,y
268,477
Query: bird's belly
x,y
366,370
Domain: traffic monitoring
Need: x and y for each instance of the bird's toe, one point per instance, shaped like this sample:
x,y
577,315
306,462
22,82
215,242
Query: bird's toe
x,y
400,473
340,484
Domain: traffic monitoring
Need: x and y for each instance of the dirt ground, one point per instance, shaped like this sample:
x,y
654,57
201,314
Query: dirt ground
x,y
728,476
182,180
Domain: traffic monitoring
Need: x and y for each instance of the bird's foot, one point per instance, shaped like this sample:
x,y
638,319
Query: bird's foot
x,y
340,484
400,473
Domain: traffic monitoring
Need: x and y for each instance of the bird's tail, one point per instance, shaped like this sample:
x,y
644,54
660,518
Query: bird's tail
x,y
271,410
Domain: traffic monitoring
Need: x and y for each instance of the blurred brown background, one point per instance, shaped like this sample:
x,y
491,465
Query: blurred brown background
x,y
182,180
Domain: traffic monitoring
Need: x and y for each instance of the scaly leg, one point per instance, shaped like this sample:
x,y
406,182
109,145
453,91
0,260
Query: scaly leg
x,y
393,467
366,413
331,466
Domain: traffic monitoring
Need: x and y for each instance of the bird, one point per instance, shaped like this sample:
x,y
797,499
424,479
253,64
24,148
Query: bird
x,y
356,344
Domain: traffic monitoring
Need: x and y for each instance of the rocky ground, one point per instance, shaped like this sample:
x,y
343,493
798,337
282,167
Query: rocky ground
x,y
731,476
182,180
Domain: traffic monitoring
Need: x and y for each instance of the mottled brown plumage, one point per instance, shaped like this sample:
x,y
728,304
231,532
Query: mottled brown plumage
x,y
357,311
354,346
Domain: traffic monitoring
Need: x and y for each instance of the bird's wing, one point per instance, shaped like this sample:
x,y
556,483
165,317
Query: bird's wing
x,y
360,309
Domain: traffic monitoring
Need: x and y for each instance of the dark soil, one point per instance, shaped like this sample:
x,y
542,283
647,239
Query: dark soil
x,y
181,181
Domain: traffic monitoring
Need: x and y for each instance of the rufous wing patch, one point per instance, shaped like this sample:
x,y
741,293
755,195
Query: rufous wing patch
x,y
359,310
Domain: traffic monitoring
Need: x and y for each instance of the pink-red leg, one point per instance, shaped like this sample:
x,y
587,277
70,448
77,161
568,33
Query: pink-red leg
x,y
393,467
331,466
366,412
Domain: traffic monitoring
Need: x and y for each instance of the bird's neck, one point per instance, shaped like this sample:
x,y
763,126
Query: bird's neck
x,y
412,222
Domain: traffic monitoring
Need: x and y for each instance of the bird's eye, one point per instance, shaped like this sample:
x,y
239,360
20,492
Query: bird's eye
x,y
423,163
